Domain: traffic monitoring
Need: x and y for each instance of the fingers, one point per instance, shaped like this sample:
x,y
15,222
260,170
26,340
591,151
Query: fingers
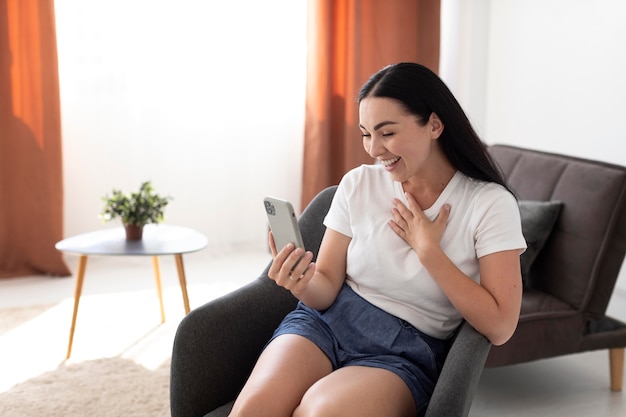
x,y
413,209
399,230
272,244
398,222
302,273
411,222
413,206
444,213
403,215
292,267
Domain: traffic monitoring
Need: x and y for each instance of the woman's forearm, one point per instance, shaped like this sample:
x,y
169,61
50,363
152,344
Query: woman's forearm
x,y
491,307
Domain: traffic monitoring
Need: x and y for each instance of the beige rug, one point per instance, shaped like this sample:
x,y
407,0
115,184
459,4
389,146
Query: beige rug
x,y
119,365
103,387
121,351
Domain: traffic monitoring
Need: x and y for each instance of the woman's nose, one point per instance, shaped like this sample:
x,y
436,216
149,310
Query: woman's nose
x,y
375,147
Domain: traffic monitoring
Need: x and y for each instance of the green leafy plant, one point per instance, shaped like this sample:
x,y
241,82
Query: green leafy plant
x,y
138,208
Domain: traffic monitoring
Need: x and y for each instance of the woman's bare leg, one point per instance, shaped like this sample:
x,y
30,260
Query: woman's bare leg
x,y
286,369
358,391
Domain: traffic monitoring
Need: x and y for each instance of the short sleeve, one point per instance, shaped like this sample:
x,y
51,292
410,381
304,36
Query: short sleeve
x,y
499,226
338,217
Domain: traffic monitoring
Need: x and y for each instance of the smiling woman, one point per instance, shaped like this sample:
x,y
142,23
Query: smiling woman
x,y
204,98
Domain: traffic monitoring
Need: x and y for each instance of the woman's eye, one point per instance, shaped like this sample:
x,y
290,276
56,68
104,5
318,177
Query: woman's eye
x,y
366,135
386,135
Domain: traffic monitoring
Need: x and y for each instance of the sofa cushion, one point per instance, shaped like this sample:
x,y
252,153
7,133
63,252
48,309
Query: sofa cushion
x,y
547,327
538,220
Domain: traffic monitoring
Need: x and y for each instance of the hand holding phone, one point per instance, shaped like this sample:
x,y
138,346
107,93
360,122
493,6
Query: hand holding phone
x,y
288,272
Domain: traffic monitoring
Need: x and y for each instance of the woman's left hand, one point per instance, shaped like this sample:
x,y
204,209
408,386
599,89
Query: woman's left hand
x,y
412,225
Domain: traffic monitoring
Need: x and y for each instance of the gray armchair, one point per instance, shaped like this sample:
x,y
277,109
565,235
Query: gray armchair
x,y
217,344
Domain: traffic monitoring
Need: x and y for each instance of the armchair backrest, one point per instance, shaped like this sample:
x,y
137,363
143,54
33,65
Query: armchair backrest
x,y
581,260
311,222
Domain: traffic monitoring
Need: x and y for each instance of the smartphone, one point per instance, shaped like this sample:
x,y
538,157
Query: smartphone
x,y
283,222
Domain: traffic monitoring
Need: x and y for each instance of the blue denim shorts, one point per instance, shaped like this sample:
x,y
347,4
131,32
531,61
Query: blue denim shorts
x,y
353,332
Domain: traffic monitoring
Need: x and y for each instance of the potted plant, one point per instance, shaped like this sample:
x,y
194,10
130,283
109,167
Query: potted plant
x,y
134,209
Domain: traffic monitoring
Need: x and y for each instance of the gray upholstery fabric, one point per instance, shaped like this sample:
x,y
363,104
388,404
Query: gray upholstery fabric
x,y
460,375
222,411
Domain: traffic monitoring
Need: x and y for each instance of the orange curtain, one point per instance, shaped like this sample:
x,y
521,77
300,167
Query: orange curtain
x,y
31,182
349,40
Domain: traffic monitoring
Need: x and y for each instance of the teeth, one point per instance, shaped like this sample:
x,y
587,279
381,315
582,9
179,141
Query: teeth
x,y
387,162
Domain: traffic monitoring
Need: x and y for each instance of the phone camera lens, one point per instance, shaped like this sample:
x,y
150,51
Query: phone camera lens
x,y
269,207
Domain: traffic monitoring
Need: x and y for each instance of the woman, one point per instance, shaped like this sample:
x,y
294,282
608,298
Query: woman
x,y
424,238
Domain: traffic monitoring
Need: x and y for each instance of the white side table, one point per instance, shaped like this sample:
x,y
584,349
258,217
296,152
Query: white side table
x,y
158,240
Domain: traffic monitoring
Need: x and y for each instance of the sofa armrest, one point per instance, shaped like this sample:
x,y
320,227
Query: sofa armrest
x,y
217,344
460,375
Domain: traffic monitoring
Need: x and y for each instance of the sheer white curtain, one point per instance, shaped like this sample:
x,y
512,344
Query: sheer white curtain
x,y
203,98
464,55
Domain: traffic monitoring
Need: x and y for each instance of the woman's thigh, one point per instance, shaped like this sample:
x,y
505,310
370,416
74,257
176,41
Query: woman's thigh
x,y
286,369
358,391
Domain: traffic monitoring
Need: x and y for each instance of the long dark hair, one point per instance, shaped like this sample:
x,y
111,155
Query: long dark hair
x,y
421,92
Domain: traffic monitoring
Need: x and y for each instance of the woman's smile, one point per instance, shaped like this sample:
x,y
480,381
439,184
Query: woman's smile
x,y
390,163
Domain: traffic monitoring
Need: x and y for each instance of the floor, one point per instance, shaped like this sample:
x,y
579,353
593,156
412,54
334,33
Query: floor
x,y
576,385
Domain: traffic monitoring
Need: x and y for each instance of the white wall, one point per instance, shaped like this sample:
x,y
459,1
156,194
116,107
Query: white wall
x,y
556,76
204,98
553,72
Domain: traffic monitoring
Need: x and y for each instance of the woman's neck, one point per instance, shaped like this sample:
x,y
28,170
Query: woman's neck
x,y
427,188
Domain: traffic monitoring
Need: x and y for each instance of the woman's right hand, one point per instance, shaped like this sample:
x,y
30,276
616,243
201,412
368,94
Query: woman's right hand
x,y
292,267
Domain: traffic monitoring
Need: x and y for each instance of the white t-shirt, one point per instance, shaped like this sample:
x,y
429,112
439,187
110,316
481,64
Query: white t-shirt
x,y
384,269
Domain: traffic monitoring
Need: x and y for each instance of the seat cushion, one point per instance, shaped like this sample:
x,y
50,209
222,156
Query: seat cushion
x,y
547,327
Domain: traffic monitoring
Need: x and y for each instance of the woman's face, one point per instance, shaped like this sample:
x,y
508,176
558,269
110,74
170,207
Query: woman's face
x,y
396,139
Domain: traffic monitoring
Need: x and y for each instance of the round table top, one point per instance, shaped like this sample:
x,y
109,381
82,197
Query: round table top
x,y
158,239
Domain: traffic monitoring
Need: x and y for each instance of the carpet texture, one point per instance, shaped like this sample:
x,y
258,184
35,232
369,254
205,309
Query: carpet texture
x,y
113,372
104,387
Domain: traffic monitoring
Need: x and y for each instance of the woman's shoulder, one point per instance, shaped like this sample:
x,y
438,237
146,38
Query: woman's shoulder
x,y
485,188
485,196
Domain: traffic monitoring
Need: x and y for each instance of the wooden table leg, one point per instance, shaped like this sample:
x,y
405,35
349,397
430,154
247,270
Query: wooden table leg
x,y
183,280
157,278
616,361
80,276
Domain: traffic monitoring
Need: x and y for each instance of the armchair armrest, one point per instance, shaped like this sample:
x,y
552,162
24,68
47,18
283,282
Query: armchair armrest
x,y
460,375
217,344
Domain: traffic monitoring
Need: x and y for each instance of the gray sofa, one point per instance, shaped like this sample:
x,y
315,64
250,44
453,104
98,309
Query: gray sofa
x,y
569,276
570,283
